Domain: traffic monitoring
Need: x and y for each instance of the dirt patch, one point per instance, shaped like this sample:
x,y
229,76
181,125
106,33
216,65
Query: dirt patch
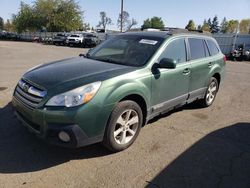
x,y
200,115
3,88
155,147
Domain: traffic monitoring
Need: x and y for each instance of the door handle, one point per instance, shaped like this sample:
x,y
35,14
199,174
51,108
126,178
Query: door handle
x,y
210,64
186,71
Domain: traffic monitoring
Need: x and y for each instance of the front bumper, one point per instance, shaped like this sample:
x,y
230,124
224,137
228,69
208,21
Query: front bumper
x,y
47,125
59,41
74,42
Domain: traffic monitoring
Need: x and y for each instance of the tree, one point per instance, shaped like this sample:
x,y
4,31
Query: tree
x,y
215,25
224,25
190,25
199,27
59,15
209,23
205,26
86,26
123,19
105,20
25,19
146,24
8,26
155,23
53,15
1,23
233,26
245,26
131,23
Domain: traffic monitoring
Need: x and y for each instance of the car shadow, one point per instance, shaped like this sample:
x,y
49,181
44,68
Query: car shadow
x,y
21,151
191,106
220,159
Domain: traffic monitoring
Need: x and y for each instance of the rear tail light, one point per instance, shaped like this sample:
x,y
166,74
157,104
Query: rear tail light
x,y
225,59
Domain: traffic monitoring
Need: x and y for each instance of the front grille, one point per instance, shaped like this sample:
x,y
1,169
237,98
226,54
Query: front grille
x,y
29,95
72,40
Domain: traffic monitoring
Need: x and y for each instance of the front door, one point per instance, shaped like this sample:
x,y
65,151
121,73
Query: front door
x,y
170,86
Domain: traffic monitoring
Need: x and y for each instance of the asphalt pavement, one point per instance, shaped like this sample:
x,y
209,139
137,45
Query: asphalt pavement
x,y
189,147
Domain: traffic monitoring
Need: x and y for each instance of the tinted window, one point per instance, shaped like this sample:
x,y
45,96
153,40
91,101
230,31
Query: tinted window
x,y
196,48
175,50
212,47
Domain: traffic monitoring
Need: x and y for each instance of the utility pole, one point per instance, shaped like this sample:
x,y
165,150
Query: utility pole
x,y
236,35
121,15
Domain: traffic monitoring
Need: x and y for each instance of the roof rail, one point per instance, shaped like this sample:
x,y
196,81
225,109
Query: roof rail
x,y
174,30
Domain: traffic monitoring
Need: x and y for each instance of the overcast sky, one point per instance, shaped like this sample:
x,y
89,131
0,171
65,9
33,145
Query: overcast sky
x,y
174,13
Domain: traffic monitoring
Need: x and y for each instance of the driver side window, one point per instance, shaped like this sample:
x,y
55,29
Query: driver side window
x,y
176,50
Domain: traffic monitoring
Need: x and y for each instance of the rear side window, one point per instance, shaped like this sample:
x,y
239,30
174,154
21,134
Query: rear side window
x,y
175,50
197,49
212,47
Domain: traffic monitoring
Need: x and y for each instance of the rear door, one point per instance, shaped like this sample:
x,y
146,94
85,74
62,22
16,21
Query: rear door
x,y
200,67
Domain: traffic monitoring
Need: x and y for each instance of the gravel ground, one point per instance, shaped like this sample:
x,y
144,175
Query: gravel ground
x,y
190,147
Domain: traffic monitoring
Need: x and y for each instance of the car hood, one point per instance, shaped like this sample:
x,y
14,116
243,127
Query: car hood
x,y
74,72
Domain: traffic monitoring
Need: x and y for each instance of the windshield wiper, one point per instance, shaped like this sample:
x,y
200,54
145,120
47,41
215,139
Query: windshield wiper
x,y
108,60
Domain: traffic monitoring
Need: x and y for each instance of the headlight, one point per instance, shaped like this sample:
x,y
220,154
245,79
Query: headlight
x,y
75,97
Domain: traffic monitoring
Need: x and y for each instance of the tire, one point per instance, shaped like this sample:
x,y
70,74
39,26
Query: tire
x,y
211,93
120,134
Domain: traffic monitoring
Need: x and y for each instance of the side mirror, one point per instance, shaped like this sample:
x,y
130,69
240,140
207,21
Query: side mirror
x,y
90,50
87,54
167,63
82,55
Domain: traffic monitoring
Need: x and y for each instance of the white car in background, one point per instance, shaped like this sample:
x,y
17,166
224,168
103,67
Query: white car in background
x,y
75,39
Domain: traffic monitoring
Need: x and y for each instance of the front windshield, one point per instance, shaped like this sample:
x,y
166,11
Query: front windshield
x,y
131,50
75,36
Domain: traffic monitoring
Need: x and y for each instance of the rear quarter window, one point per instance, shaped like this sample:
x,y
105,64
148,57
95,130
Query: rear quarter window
x,y
213,48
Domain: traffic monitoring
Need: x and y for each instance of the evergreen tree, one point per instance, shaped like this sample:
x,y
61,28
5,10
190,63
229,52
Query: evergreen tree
x,y
224,25
209,24
199,27
205,26
190,25
146,24
155,23
215,28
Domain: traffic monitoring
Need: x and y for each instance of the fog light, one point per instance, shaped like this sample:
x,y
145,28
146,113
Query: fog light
x,y
63,136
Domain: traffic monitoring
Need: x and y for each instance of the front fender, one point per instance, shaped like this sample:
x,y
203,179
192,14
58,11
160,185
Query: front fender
x,y
129,87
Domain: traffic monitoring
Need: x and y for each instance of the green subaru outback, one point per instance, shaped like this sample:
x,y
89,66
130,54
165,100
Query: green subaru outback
x,y
108,94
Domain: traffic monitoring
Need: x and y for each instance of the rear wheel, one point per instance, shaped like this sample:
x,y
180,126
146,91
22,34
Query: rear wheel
x,y
124,126
211,92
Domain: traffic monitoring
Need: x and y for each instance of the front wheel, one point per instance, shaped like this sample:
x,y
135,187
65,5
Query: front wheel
x,y
211,92
124,126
